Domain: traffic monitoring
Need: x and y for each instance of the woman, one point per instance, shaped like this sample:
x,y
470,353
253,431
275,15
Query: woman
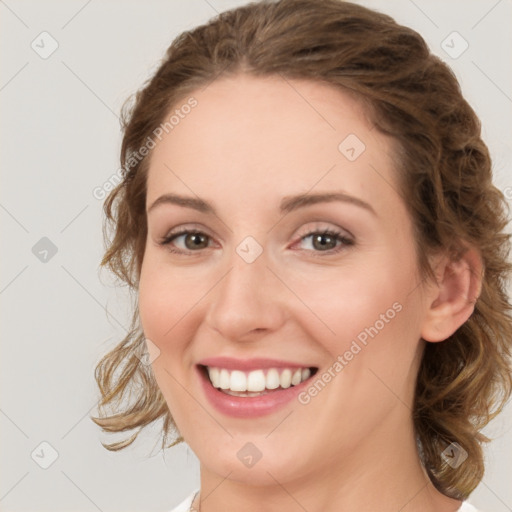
x,y
309,220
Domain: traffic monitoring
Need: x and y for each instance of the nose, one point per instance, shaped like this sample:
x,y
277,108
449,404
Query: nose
x,y
248,300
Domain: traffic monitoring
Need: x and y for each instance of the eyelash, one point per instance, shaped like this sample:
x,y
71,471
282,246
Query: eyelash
x,y
166,241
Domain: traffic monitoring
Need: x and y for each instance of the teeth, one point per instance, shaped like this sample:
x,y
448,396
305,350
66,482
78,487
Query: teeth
x,y
256,381
223,382
238,381
286,378
306,374
296,377
272,381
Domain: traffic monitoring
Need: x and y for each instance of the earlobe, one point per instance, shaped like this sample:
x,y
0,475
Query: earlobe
x,y
452,301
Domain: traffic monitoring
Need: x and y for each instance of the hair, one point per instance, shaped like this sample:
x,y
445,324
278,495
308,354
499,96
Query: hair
x,y
445,179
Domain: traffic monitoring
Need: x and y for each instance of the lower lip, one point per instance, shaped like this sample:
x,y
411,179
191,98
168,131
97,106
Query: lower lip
x,y
248,407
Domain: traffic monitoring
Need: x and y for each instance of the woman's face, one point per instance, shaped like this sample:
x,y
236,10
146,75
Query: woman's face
x,y
260,281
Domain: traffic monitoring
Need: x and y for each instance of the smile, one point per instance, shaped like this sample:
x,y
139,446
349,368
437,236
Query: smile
x,y
256,382
250,389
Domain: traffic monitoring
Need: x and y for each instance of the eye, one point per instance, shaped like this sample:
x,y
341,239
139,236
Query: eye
x,y
322,241
193,240
326,241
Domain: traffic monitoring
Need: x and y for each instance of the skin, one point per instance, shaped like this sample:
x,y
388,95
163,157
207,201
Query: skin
x,y
249,143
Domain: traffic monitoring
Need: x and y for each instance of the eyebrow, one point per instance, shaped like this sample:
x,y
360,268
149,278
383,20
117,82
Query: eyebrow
x,y
288,203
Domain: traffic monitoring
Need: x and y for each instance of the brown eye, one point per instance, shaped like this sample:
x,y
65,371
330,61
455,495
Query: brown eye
x,y
196,241
324,241
191,241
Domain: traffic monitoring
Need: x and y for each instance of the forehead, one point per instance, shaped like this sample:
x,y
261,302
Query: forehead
x,y
271,132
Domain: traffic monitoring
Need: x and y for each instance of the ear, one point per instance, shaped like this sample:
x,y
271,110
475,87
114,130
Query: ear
x,y
452,301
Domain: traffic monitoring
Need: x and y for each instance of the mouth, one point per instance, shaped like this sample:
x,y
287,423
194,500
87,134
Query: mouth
x,y
257,382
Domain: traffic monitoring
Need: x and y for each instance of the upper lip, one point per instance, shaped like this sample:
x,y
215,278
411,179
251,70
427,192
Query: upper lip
x,y
230,363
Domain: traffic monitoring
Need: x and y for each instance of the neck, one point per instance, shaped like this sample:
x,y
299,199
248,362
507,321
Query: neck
x,y
384,473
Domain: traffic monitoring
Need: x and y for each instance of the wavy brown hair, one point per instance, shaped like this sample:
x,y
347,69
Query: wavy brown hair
x,y
444,170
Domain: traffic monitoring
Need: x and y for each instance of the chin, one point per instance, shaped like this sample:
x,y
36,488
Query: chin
x,y
258,463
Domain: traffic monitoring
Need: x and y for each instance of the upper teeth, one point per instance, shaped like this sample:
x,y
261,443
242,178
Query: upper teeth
x,y
236,380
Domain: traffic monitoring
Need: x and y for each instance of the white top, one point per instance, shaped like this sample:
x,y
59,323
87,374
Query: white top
x,y
184,506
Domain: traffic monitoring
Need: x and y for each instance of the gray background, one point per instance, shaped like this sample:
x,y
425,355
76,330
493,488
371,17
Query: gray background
x,y
60,140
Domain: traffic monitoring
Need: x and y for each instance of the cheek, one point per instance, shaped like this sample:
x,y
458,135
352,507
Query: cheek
x,y
155,307
164,297
360,301
163,302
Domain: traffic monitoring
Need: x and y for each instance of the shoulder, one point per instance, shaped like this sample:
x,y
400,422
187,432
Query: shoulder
x,y
184,506
466,507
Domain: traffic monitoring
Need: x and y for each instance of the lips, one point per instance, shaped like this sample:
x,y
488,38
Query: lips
x,y
249,388
247,365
